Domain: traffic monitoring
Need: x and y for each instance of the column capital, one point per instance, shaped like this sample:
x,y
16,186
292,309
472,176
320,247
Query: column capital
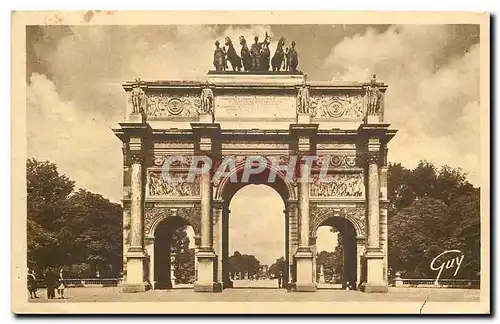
x,y
372,157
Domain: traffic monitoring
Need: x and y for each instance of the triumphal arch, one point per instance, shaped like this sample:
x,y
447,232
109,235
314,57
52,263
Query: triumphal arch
x,y
278,117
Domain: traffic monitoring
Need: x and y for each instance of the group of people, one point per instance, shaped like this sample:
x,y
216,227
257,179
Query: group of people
x,y
53,282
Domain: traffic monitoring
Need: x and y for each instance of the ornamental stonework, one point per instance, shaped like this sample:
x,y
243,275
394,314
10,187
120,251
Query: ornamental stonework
x,y
164,105
180,186
356,215
338,185
339,106
181,161
154,215
336,161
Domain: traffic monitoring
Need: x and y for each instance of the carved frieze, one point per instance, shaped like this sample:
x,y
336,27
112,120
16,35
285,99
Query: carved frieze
x,y
339,106
355,215
181,186
336,161
338,185
165,105
154,215
183,161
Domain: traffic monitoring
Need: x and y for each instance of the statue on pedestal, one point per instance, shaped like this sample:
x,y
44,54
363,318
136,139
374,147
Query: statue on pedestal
x,y
255,54
207,100
293,58
245,54
373,97
137,97
219,58
303,99
321,275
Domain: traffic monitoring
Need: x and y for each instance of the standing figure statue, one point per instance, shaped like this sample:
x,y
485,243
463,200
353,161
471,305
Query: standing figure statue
x,y
265,53
207,100
232,56
303,99
294,58
255,54
287,59
374,97
245,54
137,97
279,55
219,57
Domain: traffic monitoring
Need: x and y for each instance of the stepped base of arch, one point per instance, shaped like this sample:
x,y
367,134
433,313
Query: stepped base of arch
x,y
134,287
211,287
368,288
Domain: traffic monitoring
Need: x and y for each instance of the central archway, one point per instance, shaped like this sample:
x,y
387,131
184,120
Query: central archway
x,y
225,192
256,237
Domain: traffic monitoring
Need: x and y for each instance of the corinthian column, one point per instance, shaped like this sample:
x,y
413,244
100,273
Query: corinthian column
x,y
135,255
304,256
206,242
304,206
374,255
373,202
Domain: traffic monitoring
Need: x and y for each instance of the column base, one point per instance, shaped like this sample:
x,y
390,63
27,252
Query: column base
x,y
304,264
203,287
134,287
305,287
368,288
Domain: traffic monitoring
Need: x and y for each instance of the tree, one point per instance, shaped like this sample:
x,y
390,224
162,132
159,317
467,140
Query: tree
x,y
69,229
184,256
277,267
431,211
47,191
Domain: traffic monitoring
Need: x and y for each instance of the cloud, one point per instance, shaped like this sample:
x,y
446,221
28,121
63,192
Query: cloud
x,y
433,98
81,145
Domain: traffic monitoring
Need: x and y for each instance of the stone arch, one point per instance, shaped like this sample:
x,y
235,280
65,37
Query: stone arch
x,y
154,216
355,215
289,185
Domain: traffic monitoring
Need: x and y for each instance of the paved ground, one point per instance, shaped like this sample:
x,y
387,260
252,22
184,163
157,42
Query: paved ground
x,y
262,291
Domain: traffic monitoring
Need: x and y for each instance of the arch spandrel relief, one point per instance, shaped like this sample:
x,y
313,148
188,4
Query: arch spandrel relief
x,y
154,215
356,215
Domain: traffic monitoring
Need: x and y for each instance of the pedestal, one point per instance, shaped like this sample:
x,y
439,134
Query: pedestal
x,y
205,281
374,273
135,118
303,119
135,272
304,264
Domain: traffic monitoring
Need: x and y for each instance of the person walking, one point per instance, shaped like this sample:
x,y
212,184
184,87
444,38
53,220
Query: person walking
x,y
280,279
49,282
32,283
60,287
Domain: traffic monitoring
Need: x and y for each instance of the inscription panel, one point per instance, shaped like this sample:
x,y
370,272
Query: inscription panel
x,y
255,106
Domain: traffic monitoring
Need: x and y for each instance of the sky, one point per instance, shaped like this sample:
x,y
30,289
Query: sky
x,y
74,94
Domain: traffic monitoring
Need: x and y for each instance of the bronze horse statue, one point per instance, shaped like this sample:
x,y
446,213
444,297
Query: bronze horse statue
x,y
245,55
232,56
279,55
